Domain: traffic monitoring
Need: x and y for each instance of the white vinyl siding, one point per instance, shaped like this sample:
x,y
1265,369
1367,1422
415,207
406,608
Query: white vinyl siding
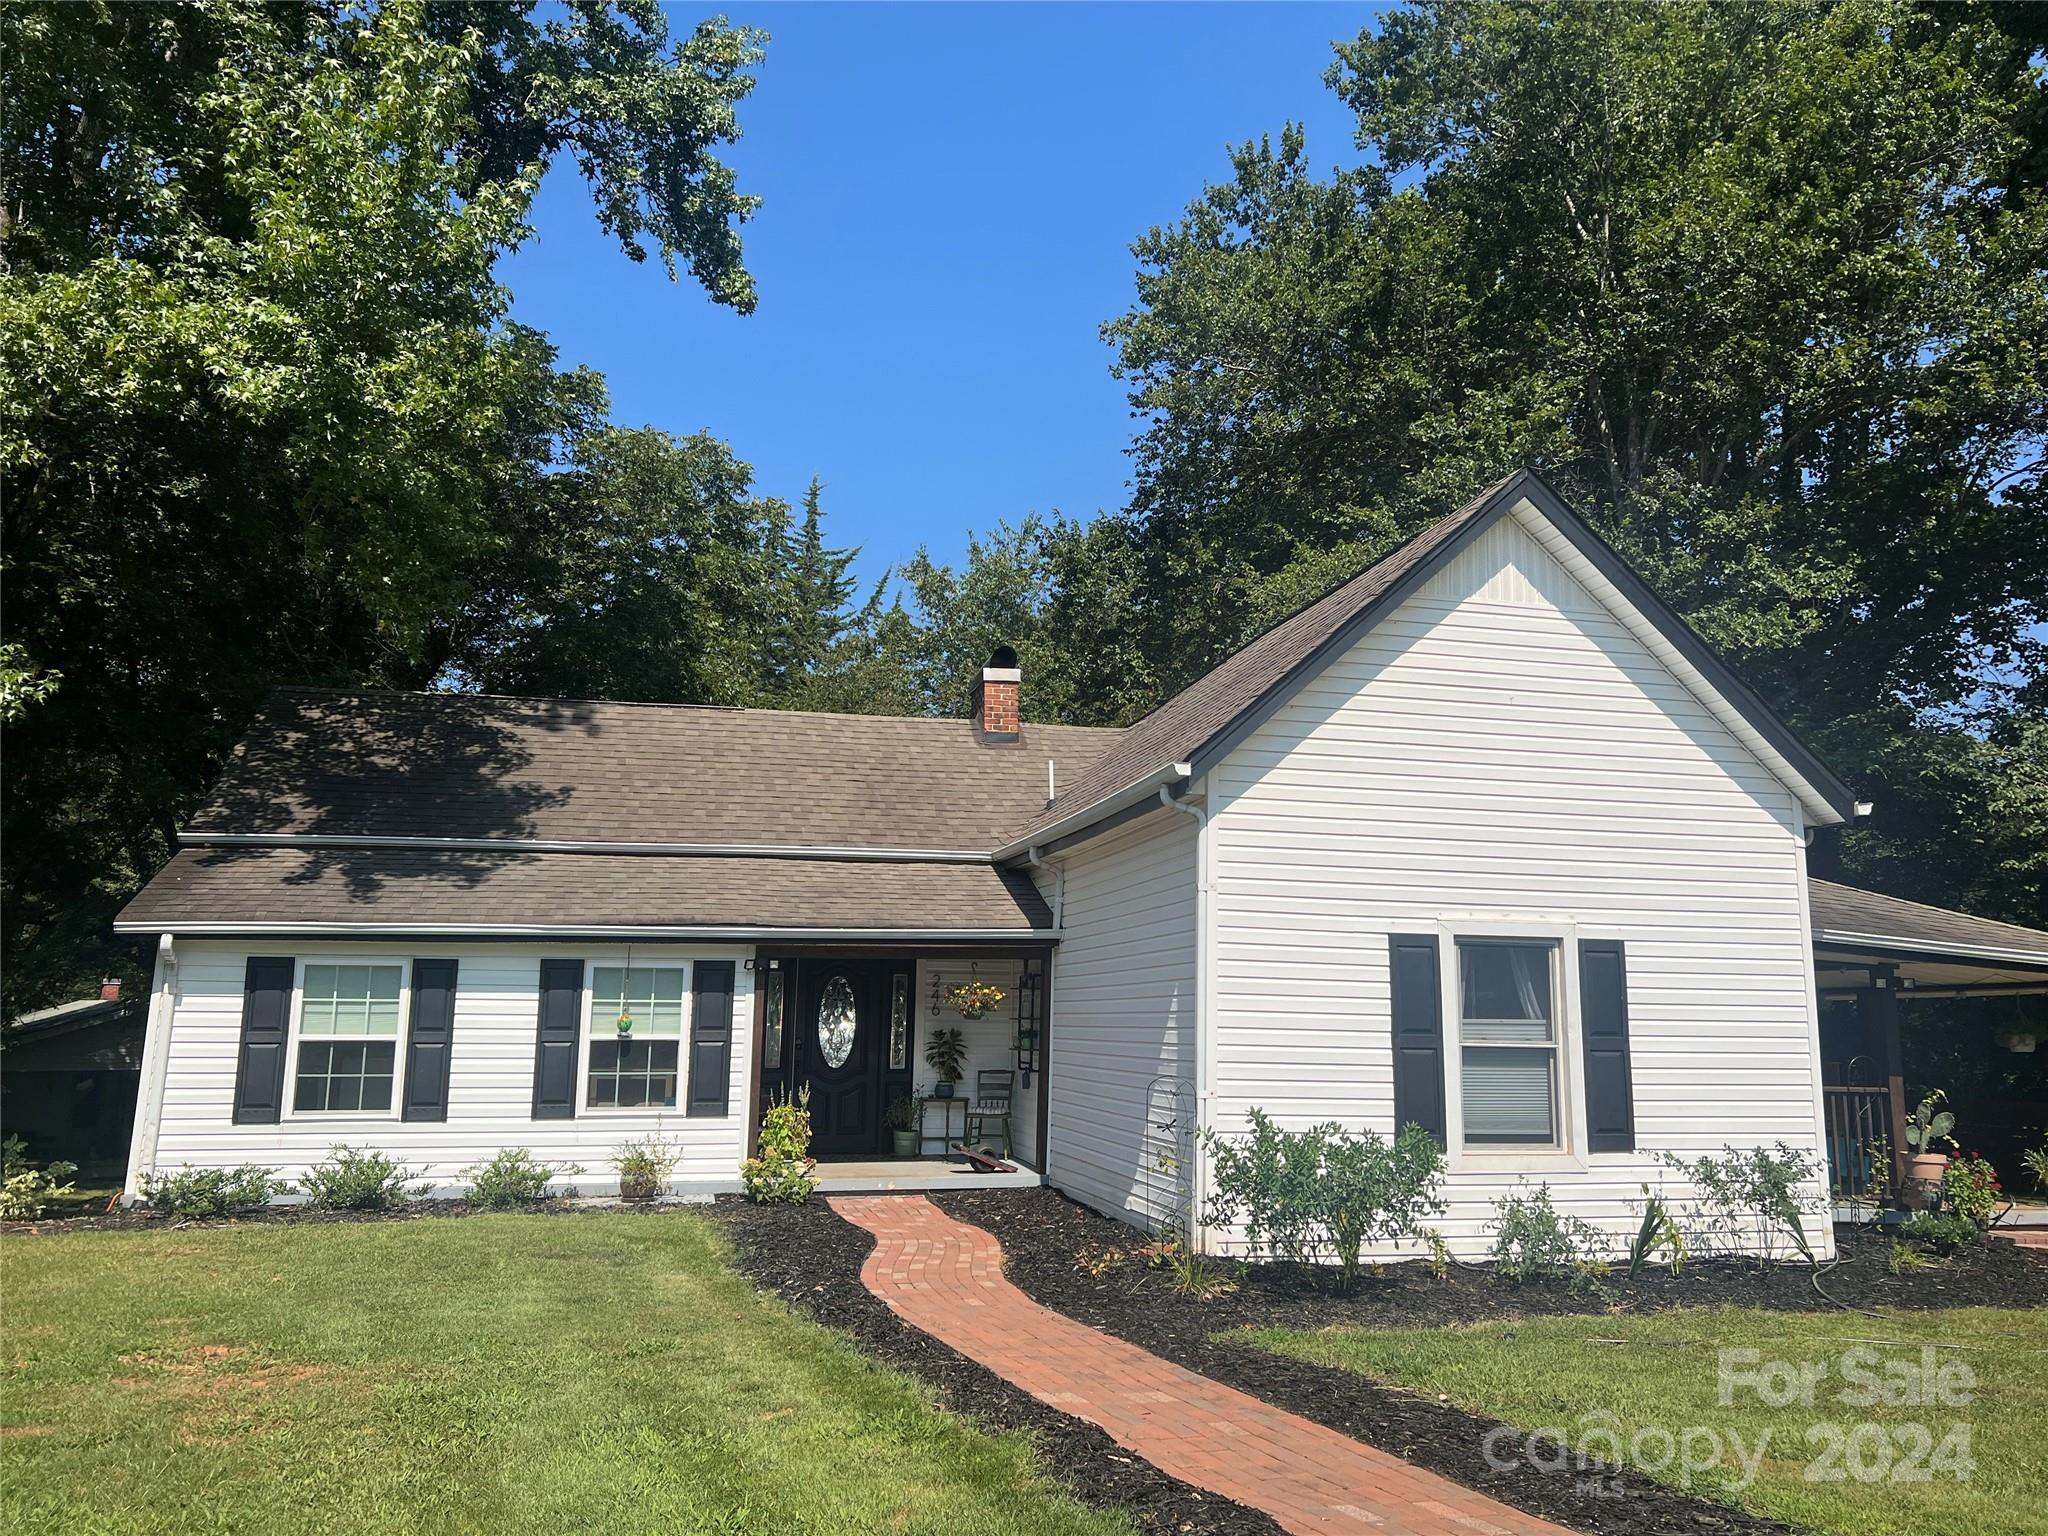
x,y
1123,1010
490,1087
1503,749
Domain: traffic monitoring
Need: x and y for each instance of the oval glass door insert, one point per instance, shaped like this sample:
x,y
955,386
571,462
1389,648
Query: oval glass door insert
x,y
836,1022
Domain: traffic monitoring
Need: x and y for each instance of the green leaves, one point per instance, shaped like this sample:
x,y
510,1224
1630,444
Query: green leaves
x,y
263,417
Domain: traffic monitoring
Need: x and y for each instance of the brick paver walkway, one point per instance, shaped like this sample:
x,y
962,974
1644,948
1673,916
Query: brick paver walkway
x,y
946,1278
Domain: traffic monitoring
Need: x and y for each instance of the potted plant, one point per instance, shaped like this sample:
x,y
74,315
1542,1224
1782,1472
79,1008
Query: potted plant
x,y
1926,1131
644,1165
946,1054
901,1118
972,999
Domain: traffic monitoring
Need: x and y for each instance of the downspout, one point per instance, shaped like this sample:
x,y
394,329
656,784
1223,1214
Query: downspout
x,y
1052,961
1204,1046
156,1052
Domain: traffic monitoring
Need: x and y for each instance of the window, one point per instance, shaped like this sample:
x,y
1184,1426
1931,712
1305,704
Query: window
x,y
1507,1040
636,1033
838,1021
771,1020
348,1037
899,1024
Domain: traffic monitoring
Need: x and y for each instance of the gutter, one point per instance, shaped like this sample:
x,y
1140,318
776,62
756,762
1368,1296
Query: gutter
x,y
1204,1041
257,928
1134,793
2034,958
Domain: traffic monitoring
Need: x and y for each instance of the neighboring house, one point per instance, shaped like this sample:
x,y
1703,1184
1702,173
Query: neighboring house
x,y
1485,839
68,1078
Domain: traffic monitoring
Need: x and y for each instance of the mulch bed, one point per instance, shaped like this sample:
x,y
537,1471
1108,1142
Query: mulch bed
x,y
1043,1232
812,1259
142,1219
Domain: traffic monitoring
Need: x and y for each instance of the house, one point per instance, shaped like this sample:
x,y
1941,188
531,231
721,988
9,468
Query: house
x,y
1485,839
68,1077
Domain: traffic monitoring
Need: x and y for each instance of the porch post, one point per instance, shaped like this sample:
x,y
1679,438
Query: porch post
x,y
1878,1005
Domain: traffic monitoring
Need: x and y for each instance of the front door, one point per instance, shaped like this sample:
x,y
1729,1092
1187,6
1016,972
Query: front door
x,y
841,1039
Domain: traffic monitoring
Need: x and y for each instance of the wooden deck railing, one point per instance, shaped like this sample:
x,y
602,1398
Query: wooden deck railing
x,y
1854,1119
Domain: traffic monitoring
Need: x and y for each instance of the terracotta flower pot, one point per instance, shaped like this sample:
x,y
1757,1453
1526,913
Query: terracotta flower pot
x,y
1923,1175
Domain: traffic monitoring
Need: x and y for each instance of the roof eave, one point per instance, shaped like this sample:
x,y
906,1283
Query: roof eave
x,y
1145,787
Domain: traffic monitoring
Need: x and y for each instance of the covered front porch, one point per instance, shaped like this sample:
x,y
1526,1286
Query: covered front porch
x,y
1917,998
853,1026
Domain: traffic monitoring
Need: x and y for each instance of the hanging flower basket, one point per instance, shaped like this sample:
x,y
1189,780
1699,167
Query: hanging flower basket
x,y
972,999
625,1025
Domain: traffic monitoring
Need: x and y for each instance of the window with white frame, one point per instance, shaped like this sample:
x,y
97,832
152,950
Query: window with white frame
x,y
1507,1042
637,1017
348,1036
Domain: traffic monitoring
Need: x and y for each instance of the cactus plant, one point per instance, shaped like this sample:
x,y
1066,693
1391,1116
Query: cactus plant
x,y
1930,1125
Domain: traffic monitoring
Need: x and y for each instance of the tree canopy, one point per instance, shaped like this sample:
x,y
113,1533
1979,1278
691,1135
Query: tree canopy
x,y
263,416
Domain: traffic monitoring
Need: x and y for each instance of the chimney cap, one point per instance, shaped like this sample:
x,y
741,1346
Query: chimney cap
x,y
1002,657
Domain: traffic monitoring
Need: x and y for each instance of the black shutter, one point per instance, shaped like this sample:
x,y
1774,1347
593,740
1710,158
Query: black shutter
x,y
711,1037
266,1021
1418,1033
429,1037
554,1060
1603,1020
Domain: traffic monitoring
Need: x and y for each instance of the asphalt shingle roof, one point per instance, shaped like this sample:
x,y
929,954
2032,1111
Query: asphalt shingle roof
x,y
1843,914
318,763
252,888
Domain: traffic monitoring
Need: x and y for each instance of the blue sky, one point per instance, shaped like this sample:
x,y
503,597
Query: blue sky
x,y
950,196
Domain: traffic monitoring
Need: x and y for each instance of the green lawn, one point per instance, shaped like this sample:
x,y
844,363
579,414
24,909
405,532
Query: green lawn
x,y
1664,1373
590,1373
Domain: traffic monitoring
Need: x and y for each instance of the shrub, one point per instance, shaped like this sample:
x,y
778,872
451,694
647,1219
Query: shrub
x,y
644,1165
513,1178
1326,1191
1941,1232
202,1192
1200,1277
781,1174
1970,1186
1764,1188
2035,1161
26,1189
1532,1239
358,1179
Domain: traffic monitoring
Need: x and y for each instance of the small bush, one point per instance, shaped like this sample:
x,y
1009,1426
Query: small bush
x,y
1969,1185
1534,1240
202,1192
2035,1161
1199,1277
514,1178
1938,1232
24,1188
358,1179
644,1165
781,1174
1657,1232
1743,1190
1326,1191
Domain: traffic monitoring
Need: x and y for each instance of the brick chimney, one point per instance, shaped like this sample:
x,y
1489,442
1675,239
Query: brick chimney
x,y
998,696
110,989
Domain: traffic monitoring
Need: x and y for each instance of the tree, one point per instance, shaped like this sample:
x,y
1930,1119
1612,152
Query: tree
x,y
263,417
1764,287
814,586
642,571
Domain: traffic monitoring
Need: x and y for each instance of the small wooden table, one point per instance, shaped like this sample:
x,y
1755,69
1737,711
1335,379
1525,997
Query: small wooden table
x,y
945,1138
